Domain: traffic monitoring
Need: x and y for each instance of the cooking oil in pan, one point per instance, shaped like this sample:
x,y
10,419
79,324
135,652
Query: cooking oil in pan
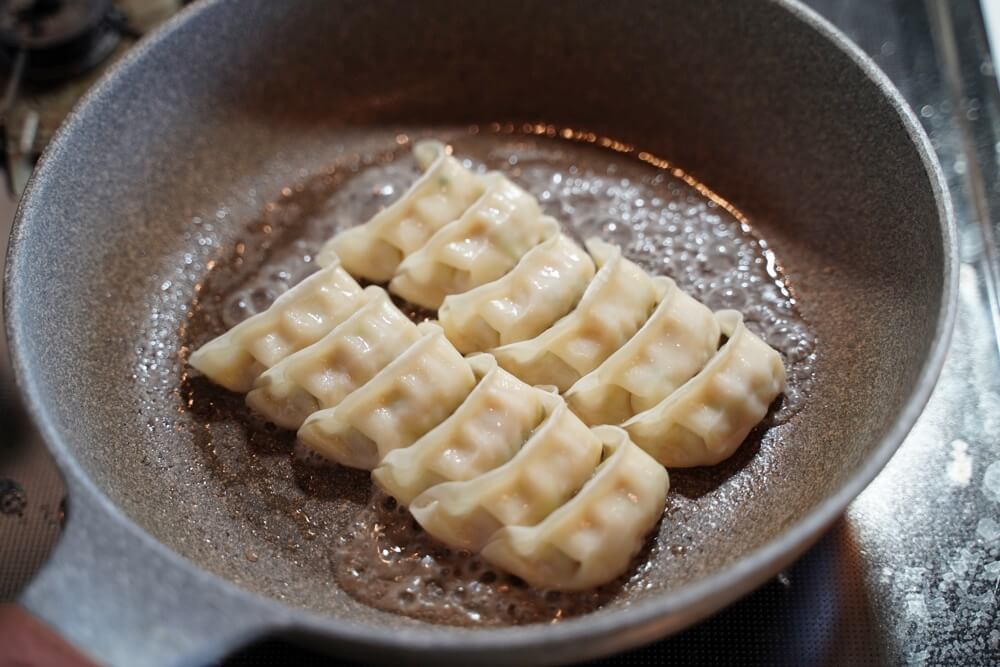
x,y
662,219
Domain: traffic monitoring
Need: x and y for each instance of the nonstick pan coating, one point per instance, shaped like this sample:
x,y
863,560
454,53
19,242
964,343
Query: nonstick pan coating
x,y
234,101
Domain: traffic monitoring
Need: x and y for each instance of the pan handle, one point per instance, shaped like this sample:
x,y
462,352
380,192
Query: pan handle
x,y
122,598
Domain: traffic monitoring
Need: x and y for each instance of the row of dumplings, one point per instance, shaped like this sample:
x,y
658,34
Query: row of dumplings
x,y
484,457
624,347
484,461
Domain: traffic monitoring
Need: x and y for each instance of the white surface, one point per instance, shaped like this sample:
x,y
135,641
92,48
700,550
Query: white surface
x,y
991,15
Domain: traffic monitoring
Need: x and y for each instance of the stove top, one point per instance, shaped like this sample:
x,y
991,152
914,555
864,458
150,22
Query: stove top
x,y
911,573
51,52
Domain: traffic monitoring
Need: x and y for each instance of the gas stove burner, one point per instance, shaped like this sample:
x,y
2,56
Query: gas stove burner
x,y
58,39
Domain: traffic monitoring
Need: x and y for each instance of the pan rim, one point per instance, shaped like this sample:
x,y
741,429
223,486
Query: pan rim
x,y
590,635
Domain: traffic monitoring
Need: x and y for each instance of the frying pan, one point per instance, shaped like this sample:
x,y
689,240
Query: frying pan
x,y
207,120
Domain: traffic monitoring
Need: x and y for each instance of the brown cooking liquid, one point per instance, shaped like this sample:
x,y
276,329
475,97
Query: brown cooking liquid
x,y
660,217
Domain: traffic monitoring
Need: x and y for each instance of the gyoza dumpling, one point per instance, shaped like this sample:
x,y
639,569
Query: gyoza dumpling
x,y
482,245
483,433
374,250
297,318
321,375
592,538
544,285
555,462
615,305
676,342
704,421
405,400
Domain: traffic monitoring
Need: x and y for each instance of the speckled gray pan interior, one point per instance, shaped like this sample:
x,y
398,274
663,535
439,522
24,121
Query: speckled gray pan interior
x,y
758,99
